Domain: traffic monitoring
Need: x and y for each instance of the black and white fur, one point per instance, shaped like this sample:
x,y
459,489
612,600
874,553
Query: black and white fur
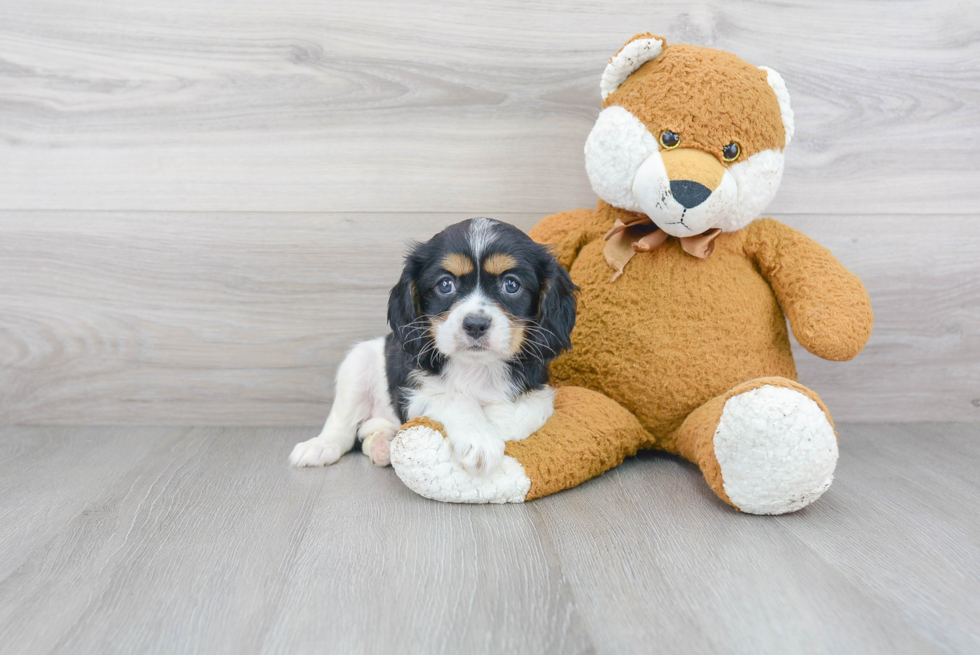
x,y
468,348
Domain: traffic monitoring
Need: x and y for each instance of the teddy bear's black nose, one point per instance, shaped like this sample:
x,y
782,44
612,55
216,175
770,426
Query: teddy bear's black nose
x,y
688,193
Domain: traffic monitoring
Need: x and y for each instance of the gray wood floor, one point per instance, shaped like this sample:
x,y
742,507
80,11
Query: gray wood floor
x,y
202,540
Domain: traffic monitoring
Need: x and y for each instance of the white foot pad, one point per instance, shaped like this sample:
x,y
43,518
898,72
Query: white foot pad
x,y
315,452
376,435
777,450
422,459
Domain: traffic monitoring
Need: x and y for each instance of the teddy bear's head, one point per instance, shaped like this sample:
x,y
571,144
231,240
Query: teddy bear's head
x,y
692,137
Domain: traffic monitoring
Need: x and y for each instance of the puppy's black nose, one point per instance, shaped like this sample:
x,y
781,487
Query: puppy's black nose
x,y
476,326
689,194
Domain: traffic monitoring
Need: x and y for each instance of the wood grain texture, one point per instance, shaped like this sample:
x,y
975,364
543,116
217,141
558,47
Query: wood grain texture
x,y
81,461
171,318
211,544
215,545
305,105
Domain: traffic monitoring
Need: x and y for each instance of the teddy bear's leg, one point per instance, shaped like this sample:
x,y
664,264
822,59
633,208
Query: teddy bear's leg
x,y
587,435
768,446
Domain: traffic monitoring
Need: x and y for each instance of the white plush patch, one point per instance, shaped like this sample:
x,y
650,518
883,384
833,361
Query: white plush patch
x,y
422,459
757,180
777,450
632,56
782,95
617,146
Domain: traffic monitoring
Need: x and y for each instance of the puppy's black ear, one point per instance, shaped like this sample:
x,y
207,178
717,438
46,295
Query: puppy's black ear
x,y
403,310
556,309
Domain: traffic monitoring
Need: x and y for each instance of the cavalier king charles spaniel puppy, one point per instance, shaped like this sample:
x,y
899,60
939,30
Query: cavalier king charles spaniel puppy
x,y
479,312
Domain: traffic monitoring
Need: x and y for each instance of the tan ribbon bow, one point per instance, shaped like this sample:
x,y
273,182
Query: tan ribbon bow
x,y
642,235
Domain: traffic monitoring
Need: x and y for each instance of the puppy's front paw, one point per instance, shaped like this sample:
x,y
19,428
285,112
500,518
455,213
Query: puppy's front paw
x,y
503,417
476,452
315,452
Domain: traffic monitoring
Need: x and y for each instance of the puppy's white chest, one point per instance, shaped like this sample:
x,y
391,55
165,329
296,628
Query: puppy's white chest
x,y
481,383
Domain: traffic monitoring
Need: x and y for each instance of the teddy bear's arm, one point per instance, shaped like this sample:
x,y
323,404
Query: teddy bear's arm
x,y
567,232
827,306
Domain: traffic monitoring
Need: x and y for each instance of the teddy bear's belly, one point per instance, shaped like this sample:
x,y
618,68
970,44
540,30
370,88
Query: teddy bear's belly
x,y
674,331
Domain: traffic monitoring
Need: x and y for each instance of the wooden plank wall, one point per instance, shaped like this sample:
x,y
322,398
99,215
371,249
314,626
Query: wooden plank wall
x,y
203,202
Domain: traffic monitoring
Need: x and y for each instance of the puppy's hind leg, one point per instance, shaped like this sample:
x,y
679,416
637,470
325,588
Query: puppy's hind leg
x,y
352,405
382,425
376,435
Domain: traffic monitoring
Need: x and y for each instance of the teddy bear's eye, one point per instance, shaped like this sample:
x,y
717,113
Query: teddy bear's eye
x,y
669,140
731,151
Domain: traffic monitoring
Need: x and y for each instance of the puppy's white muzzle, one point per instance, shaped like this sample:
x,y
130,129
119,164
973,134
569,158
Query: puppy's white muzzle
x,y
475,328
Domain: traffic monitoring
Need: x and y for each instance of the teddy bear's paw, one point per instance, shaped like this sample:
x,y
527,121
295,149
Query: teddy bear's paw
x,y
422,458
777,450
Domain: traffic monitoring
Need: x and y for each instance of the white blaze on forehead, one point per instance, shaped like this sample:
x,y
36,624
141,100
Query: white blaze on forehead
x,y
482,234
633,55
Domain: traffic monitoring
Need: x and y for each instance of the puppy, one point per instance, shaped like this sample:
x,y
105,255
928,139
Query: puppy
x,y
478,313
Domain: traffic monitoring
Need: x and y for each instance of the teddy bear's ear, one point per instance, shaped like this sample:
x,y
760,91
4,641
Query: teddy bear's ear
x,y
637,51
782,95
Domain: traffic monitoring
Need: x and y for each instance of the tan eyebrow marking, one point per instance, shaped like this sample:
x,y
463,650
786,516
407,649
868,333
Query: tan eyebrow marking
x,y
458,264
498,263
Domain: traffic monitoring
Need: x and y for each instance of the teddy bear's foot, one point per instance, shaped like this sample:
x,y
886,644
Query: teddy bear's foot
x,y
776,448
422,458
767,446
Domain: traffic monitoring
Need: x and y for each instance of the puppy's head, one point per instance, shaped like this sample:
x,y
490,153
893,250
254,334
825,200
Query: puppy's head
x,y
482,291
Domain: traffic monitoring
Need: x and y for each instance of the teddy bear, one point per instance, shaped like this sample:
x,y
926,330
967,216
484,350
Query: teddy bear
x,y
681,343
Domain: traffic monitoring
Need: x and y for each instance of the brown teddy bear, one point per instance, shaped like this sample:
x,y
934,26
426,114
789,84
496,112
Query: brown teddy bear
x,y
681,343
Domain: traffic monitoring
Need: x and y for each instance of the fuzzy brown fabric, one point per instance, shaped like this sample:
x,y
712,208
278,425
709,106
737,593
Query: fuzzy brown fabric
x,y
676,332
425,422
827,307
734,101
588,435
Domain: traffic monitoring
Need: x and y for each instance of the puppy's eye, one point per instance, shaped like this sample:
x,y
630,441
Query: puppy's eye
x,y
731,151
511,285
670,140
446,286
